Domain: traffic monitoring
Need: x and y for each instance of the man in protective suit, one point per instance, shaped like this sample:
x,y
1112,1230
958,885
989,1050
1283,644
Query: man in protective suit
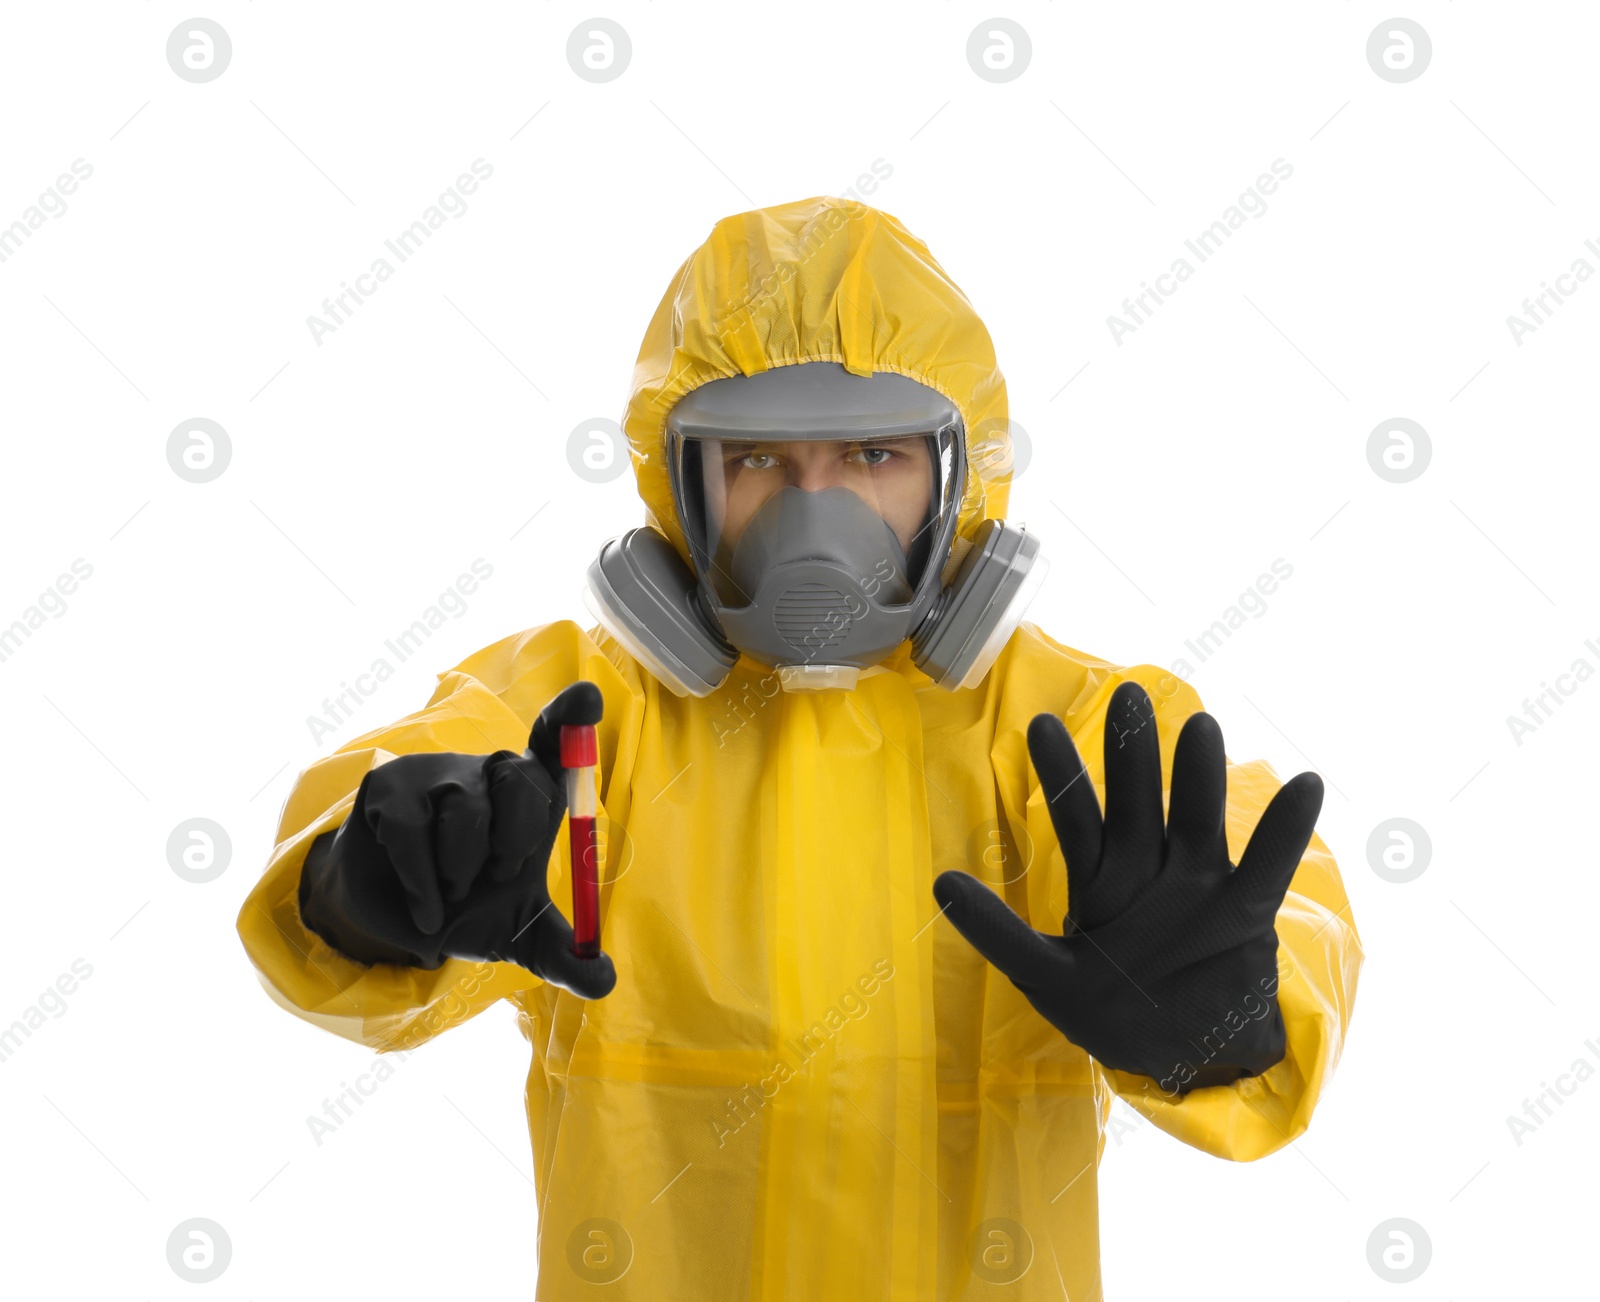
x,y
899,892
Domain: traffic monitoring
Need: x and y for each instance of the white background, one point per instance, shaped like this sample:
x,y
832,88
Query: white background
x,y
369,471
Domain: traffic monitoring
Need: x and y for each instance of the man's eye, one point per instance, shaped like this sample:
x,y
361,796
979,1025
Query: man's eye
x,y
766,459
878,456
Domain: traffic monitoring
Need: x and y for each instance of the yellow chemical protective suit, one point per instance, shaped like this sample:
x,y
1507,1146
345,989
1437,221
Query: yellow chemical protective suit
x,y
806,1085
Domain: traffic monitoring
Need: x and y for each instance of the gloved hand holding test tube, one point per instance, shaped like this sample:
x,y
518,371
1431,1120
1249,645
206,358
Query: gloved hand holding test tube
x,y
578,759
445,855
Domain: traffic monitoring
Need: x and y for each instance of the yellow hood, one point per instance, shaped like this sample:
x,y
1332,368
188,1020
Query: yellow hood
x,y
818,280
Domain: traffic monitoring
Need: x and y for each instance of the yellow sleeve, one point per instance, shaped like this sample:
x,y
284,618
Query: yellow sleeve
x,y
1319,960
488,703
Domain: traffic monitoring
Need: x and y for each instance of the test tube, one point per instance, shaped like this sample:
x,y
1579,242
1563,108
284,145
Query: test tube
x,y
578,759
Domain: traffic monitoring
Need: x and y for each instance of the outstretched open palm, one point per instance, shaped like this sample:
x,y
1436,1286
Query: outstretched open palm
x,y
1168,962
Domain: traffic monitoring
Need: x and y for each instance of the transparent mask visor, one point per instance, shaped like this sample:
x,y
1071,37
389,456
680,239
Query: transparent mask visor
x,y
907,480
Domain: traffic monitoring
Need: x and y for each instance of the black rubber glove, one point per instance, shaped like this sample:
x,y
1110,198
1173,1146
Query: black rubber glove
x,y
1168,964
444,856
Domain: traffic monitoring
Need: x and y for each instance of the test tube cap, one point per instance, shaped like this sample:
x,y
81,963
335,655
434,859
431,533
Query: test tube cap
x,y
578,748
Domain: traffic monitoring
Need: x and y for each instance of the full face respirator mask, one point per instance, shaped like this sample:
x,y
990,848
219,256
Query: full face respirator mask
x,y
819,508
